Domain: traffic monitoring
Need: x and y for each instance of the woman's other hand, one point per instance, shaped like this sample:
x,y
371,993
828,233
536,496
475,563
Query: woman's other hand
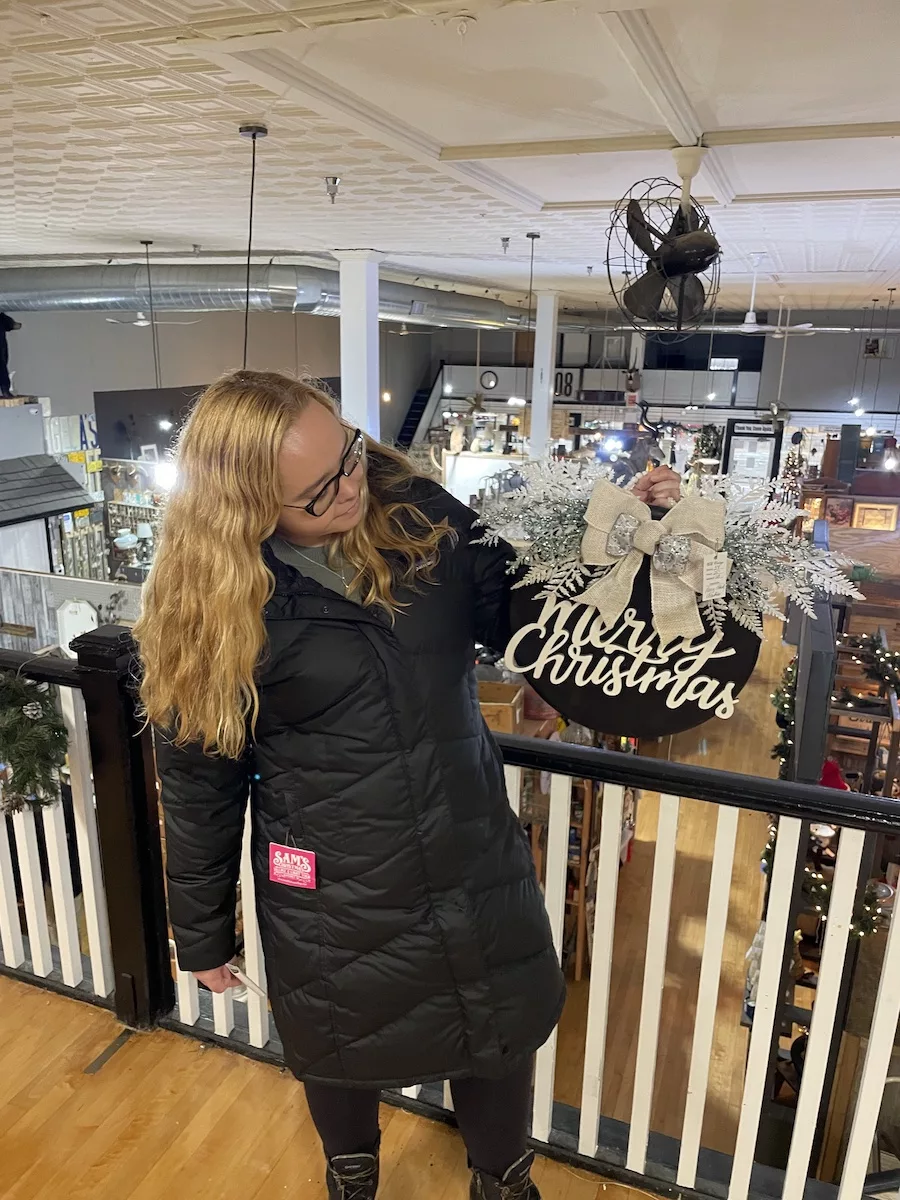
x,y
220,979
661,486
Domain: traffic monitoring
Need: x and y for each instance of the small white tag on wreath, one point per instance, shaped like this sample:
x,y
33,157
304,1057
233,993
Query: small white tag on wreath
x,y
715,577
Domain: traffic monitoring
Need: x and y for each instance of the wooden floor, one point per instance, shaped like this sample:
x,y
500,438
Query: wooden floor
x,y
166,1118
741,744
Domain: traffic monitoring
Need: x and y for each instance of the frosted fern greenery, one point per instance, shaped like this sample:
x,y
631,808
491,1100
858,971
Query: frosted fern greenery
x,y
544,520
543,517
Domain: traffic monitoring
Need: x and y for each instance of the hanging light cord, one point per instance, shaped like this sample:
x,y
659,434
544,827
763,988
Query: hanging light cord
x,y
865,361
533,237
887,317
859,353
253,138
154,333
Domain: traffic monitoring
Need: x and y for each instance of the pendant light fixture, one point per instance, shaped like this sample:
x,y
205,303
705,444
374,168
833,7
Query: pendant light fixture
x,y
154,333
881,348
854,394
254,132
521,401
861,399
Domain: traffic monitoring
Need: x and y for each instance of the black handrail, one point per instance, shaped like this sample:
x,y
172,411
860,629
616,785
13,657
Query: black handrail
x,y
807,801
42,668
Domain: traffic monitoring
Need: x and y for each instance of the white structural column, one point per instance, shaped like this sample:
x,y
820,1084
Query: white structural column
x,y
360,371
543,375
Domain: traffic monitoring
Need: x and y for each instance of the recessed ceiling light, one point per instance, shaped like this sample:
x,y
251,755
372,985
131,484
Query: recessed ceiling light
x,y
386,397
710,395
165,426
448,388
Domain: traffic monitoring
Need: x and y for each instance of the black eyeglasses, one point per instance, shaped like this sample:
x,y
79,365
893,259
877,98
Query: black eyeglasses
x,y
325,496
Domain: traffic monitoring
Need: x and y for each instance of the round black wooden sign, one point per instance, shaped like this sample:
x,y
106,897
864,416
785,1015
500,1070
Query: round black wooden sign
x,y
620,680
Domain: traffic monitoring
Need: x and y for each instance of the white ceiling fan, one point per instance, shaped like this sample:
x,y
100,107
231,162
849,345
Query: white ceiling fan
x,y
751,325
142,321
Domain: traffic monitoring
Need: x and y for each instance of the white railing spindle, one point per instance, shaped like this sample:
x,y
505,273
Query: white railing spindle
x,y
821,1029
33,892
601,966
708,993
257,1006
555,900
63,893
654,981
777,914
93,892
187,995
876,1064
10,927
223,1012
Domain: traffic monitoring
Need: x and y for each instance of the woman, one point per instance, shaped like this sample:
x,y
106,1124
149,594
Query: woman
x,y
308,638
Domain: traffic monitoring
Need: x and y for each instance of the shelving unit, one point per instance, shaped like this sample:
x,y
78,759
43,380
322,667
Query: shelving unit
x,y
864,738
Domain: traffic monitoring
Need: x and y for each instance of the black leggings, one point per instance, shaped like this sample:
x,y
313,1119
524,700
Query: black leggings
x,y
492,1114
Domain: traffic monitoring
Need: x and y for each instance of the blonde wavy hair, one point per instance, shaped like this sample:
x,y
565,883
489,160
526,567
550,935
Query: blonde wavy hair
x,y
201,634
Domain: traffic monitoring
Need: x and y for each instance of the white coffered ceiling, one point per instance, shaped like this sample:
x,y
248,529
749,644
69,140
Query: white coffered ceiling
x,y
453,125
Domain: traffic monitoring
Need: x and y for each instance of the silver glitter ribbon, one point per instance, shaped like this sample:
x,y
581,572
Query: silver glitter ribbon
x,y
621,532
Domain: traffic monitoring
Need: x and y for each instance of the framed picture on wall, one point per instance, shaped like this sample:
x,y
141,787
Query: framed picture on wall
x,y
839,510
870,515
814,506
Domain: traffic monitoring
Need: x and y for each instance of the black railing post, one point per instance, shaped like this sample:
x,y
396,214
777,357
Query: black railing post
x,y
128,824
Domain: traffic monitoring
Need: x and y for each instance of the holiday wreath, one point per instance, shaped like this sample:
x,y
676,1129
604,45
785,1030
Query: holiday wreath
x,y
640,621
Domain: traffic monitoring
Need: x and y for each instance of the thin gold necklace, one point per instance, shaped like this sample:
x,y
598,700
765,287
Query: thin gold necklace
x,y
337,574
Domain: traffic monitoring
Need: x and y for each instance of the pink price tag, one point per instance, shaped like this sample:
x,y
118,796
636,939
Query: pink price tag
x,y
296,868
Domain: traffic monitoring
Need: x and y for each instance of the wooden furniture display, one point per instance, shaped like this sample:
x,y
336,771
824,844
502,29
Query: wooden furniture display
x,y
864,735
584,837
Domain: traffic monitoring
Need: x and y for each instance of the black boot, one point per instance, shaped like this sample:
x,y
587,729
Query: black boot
x,y
352,1177
515,1185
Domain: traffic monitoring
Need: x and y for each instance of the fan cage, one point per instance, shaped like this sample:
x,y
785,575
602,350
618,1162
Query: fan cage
x,y
659,199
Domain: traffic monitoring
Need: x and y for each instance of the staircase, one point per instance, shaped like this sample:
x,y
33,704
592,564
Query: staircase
x,y
417,407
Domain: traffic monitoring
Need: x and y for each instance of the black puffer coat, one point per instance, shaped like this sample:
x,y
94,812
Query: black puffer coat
x,y
425,951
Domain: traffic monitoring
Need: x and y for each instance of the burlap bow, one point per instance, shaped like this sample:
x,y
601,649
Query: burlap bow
x,y
620,532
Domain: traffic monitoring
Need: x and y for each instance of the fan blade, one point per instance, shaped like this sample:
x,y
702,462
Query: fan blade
x,y
805,325
689,296
113,321
642,298
638,229
197,322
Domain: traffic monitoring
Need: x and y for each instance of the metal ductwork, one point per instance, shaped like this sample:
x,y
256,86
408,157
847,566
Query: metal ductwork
x,y
217,288
200,287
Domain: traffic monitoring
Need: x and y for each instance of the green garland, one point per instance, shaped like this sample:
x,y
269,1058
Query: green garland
x,y
878,664
868,916
33,744
783,701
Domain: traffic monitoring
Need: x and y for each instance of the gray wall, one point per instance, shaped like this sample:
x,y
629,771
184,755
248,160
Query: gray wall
x,y
819,371
70,355
21,431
